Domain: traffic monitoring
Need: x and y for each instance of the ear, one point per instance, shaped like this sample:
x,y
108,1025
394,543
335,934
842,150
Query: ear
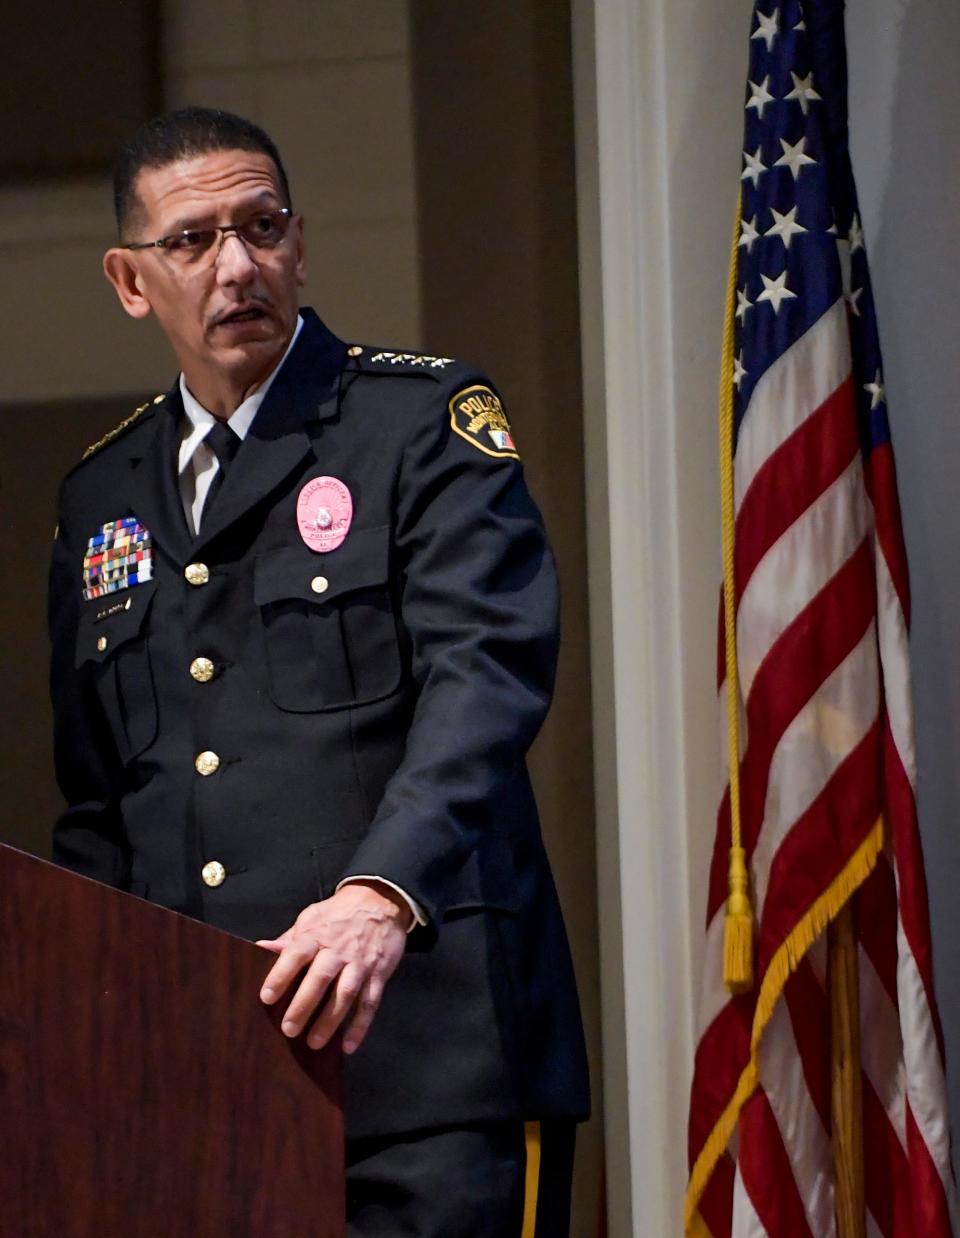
x,y
301,264
120,268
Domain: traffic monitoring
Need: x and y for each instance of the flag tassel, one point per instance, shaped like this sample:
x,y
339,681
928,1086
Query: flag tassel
x,y
738,927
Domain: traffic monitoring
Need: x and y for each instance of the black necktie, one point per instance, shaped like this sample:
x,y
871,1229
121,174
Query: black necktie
x,y
224,444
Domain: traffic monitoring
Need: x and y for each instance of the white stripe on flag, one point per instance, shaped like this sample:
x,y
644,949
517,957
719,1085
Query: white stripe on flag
x,y
881,1046
746,1223
895,659
798,566
926,1084
792,388
815,744
805,1142
714,995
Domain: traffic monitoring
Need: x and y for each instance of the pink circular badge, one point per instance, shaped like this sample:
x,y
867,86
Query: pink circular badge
x,y
324,513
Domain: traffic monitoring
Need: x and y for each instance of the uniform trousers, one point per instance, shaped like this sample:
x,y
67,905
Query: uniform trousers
x,y
491,1180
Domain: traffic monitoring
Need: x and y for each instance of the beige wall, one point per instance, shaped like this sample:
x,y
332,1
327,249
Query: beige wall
x,y
331,83
498,237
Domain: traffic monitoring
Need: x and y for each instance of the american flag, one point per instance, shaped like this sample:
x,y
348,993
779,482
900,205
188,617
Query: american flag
x,y
827,768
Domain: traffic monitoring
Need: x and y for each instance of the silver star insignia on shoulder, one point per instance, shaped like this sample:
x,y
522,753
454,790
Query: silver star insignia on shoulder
x,y
409,358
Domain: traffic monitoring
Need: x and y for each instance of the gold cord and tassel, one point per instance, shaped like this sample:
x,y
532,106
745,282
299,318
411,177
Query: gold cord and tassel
x,y
738,925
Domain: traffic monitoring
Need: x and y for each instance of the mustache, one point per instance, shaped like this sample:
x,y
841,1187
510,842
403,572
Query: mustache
x,y
246,306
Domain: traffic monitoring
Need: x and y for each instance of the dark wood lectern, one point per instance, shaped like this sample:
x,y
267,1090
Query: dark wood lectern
x,y
144,1089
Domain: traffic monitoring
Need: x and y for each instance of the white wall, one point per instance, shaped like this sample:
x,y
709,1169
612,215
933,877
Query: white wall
x,y
905,139
331,83
659,87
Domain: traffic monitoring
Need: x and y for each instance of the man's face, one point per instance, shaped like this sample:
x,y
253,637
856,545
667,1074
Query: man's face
x,y
232,311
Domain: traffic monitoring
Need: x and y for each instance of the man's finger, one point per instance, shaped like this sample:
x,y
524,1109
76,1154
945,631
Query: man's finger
x,y
311,991
294,957
367,1005
347,990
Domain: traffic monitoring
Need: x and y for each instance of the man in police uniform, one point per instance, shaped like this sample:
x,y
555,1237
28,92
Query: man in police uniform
x,y
304,625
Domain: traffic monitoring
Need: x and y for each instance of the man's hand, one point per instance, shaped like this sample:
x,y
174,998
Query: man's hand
x,y
350,945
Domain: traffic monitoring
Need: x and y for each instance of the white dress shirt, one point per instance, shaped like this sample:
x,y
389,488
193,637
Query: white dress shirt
x,y
197,465
196,468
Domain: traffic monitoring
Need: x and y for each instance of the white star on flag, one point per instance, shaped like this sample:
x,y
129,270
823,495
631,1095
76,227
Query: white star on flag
x,y
856,234
748,233
739,373
793,157
786,226
803,91
877,393
775,291
801,25
852,298
761,96
754,166
767,28
743,303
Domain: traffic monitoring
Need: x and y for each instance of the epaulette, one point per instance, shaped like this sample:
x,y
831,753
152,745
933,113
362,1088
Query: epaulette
x,y
118,430
375,360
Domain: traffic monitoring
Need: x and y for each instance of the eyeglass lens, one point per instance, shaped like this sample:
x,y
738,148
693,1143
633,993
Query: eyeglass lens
x,y
261,231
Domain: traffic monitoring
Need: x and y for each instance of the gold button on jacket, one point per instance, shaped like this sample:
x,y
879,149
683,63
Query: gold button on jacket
x,y
201,669
207,763
197,573
213,873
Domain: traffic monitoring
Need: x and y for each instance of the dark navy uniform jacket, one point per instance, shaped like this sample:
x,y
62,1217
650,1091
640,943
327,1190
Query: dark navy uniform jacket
x,y
375,728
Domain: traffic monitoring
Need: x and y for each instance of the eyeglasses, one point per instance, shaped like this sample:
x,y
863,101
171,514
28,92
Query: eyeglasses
x,y
265,230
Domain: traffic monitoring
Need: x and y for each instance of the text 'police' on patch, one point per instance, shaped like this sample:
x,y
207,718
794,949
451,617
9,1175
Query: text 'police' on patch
x,y
477,415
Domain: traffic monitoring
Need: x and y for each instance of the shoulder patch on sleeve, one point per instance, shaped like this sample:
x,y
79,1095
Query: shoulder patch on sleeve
x,y
118,430
477,415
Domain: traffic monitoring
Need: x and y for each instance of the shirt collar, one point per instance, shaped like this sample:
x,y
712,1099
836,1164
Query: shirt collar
x,y
199,420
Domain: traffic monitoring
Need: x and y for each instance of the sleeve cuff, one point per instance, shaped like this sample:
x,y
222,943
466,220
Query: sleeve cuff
x,y
418,917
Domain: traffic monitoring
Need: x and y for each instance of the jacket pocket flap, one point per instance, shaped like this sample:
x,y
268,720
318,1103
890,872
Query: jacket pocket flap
x,y
107,623
301,573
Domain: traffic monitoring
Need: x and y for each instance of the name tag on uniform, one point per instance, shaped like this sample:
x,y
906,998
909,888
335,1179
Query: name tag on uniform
x,y
118,555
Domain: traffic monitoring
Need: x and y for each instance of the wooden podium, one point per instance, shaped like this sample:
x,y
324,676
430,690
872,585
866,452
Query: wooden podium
x,y
144,1089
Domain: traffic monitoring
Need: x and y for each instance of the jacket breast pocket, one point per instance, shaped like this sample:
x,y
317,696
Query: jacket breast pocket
x,y
112,644
329,630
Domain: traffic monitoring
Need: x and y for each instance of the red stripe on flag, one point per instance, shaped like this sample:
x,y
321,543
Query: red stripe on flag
x,y
911,880
821,843
794,477
810,1018
931,1215
720,860
810,649
716,1202
767,1173
876,912
886,1172
722,1053
806,654
880,474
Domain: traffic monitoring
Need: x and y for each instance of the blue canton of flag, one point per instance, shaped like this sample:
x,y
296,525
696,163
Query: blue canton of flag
x,y
801,239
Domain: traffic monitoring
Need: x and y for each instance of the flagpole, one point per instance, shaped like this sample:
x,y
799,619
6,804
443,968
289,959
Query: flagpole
x,y
846,1099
